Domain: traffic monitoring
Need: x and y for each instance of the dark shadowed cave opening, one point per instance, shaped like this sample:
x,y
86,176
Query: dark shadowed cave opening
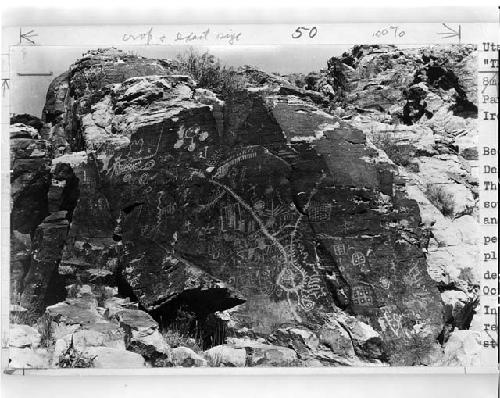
x,y
56,289
192,314
70,195
71,191
124,288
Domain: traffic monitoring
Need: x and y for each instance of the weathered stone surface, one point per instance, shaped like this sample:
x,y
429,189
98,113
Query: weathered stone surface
x,y
142,334
176,280
30,177
186,357
435,150
261,354
322,220
80,324
334,344
113,305
303,341
23,336
20,259
22,130
100,334
220,216
463,349
34,358
104,334
41,282
223,355
113,358
80,311
27,120
338,340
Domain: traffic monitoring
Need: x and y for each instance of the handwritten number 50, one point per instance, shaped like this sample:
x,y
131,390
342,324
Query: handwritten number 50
x,y
311,32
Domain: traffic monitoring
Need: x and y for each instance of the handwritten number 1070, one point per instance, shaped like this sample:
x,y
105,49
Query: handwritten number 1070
x,y
396,30
309,32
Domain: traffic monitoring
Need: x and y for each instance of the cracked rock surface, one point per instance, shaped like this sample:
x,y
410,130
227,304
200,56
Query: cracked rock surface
x,y
328,223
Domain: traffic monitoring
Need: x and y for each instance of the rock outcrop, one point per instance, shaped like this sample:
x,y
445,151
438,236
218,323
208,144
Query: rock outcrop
x,y
276,225
420,107
30,177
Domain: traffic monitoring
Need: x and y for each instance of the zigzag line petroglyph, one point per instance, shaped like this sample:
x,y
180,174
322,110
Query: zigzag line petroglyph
x,y
223,169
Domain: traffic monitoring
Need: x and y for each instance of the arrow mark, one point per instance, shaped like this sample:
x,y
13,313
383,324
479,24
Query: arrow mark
x,y
451,32
27,36
5,86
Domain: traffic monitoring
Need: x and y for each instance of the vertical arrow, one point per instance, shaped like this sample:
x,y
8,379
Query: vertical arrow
x,y
5,86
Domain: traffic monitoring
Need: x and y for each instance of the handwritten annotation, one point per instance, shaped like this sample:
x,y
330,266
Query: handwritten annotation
x,y
393,31
149,37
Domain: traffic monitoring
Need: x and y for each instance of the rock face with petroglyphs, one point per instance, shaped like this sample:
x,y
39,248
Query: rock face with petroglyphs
x,y
259,226
419,106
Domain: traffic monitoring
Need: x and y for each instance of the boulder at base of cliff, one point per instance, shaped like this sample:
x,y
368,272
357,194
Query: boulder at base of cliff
x,y
186,357
113,358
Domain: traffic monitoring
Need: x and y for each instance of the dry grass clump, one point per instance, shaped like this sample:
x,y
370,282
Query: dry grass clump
x,y
208,71
440,198
400,154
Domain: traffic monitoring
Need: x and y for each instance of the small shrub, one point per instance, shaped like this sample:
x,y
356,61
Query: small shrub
x,y
402,155
94,76
176,339
21,318
162,362
413,167
72,358
208,71
443,200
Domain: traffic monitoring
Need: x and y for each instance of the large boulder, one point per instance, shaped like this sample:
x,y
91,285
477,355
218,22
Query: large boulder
x,y
113,358
142,334
186,357
262,354
227,356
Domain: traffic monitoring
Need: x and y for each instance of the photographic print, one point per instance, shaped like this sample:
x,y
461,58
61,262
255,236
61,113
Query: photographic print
x,y
279,206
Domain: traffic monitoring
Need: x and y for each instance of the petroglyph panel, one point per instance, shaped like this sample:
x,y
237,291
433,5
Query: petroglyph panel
x,y
217,207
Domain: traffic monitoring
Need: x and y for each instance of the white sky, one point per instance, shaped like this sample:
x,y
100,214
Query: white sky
x,y
27,94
